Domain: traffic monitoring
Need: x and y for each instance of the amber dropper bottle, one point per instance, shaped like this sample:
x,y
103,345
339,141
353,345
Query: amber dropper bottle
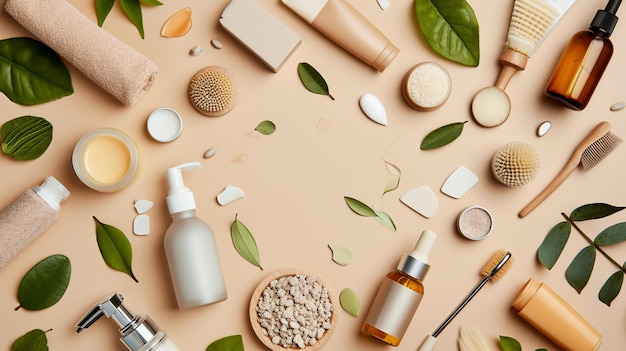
x,y
584,60
400,294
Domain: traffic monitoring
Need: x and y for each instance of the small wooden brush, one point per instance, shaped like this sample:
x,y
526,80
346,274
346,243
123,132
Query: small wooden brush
x,y
493,270
590,151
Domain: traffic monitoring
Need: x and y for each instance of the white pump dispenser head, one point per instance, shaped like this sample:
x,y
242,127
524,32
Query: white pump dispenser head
x,y
180,198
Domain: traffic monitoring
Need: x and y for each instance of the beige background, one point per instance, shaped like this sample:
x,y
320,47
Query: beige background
x,y
295,181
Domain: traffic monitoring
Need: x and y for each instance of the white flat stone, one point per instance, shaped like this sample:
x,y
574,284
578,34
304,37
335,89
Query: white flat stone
x,y
229,194
459,182
421,200
141,225
142,206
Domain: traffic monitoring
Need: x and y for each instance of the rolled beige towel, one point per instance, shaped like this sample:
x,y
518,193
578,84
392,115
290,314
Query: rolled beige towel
x,y
110,63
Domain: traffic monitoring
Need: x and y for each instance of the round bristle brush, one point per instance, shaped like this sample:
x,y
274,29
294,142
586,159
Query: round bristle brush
x,y
493,270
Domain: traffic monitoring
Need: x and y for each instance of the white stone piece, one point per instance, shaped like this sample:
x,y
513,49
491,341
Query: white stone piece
x,y
142,206
544,128
229,194
384,4
421,200
459,182
141,225
373,108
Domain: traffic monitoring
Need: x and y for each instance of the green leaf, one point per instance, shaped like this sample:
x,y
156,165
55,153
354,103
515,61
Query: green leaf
x,y
34,340
45,283
553,244
594,211
132,9
612,235
442,136
359,208
151,2
349,301
451,29
26,138
341,255
266,127
611,288
313,80
227,343
244,243
31,73
579,271
103,8
394,182
383,218
508,343
115,248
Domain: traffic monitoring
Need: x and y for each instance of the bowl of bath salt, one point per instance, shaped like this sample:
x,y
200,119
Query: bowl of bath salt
x,y
292,309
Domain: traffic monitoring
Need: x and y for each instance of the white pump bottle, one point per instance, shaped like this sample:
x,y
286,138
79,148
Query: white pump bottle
x,y
190,247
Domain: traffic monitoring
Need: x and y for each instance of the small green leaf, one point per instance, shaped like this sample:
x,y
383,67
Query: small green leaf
x,y
34,340
594,211
313,80
611,288
227,343
115,248
349,301
151,2
612,235
103,8
579,271
244,243
553,244
509,344
266,127
383,218
26,138
44,284
32,73
132,9
341,255
359,208
451,29
442,136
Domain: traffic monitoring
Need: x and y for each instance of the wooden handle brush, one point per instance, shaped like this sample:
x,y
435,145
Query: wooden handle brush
x,y
493,270
590,151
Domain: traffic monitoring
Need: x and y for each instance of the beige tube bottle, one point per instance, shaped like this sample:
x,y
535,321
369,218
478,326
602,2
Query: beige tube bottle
x,y
348,28
551,315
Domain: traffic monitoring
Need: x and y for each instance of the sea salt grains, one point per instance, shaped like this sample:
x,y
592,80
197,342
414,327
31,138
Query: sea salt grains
x,y
426,86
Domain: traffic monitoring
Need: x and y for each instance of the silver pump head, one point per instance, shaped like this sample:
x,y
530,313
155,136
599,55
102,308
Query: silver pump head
x,y
136,331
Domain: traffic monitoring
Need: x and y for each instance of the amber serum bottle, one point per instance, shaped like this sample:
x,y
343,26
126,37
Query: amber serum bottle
x,y
584,60
400,294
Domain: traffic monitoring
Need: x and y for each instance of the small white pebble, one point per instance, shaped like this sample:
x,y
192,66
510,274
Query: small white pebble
x,y
216,43
196,50
210,152
142,206
618,106
544,128
229,194
141,225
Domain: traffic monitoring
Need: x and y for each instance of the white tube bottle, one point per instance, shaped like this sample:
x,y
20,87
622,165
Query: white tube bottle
x,y
190,247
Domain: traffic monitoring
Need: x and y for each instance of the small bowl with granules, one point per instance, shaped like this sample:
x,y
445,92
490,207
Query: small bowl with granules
x,y
292,309
474,222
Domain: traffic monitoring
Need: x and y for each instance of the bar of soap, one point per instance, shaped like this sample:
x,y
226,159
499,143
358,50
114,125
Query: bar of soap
x,y
259,31
421,200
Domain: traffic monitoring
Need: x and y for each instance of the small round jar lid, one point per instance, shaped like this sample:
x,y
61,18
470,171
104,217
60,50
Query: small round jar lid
x,y
426,86
475,222
164,124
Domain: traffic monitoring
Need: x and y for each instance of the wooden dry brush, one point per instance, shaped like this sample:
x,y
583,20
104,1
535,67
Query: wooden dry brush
x,y
579,270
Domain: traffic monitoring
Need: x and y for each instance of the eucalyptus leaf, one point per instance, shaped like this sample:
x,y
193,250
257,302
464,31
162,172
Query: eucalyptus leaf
x,y
508,343
349,301
132,9
266,127
227,343
451,29
553,244
612,235
313,80
594,211
244,243
103,8
611,288
26,138
45,283
442,136
383,218
34,340
341,255
579,270
359,207
31,73
115,248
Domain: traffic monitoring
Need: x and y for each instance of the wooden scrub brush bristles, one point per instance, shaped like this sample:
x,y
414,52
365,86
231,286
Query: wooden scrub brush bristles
x,y
589,152
515,164
212,91
493,270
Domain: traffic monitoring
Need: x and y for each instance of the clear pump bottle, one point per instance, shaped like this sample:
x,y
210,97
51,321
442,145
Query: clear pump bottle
x,y
584,61
190,247
400,294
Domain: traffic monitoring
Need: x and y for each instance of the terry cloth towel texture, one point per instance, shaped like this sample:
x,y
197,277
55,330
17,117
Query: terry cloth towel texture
x,y
22,222
110,63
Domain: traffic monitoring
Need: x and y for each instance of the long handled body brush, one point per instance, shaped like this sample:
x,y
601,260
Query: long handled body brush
x,y
493,270
589,152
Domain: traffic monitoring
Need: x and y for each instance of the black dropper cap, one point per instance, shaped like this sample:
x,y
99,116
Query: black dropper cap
x,y
605,20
